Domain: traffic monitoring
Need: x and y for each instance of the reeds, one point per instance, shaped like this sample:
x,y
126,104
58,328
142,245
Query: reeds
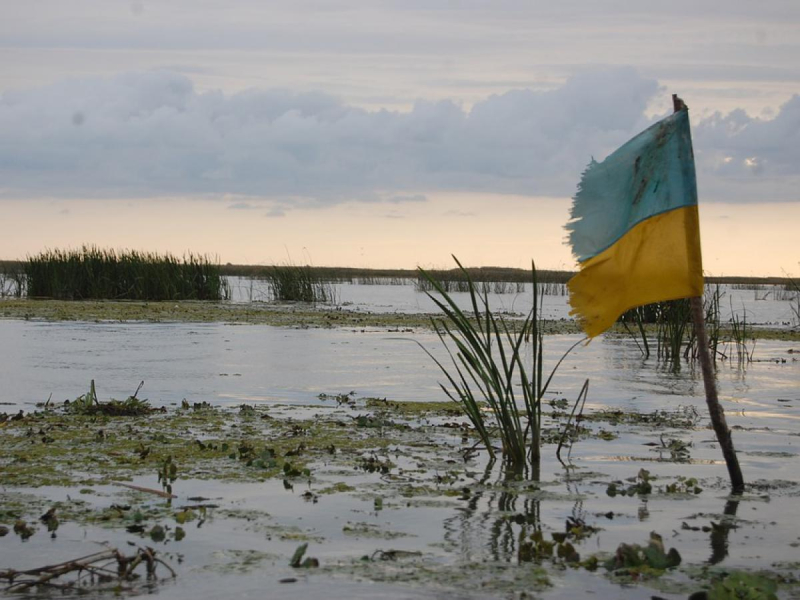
x,y
671,320
95,273
290,283
12,280
488,366
442,281
741,335
674,332
792,289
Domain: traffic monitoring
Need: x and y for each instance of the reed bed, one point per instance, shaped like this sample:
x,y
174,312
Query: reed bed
x,y
95,273
291,283
491,279
674,333
375,280
457,282
501,287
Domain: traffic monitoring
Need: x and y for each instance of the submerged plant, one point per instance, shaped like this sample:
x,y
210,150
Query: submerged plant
x,y
489,367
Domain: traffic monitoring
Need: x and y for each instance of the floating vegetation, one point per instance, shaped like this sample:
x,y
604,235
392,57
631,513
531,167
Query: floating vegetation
x,y
738,585
408,505
635,561
94,273
89,405
639,485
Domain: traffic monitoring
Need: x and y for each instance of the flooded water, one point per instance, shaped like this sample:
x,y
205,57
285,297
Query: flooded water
x,y
766,305
458,544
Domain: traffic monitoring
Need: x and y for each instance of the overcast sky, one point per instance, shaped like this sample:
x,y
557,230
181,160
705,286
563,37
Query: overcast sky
x,y
385,133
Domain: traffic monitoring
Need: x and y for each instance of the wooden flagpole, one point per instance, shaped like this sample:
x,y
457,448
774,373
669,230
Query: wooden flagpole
x,y
715,410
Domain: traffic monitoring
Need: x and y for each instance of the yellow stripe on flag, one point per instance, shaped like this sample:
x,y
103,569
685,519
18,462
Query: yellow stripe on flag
x,y
658,259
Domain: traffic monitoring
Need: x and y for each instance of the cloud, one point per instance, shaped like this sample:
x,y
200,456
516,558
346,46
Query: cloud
x,y
751,158
242,206
152,134
275,213
408,198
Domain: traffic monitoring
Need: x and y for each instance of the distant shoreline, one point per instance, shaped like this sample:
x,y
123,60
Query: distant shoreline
x,y
296,315
477,273
509,274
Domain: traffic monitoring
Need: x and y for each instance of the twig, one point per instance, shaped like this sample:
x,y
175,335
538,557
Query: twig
x,y
146,490
93,564
582,395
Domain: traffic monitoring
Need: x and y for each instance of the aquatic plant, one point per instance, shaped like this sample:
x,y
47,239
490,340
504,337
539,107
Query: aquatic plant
x,y
633,559
88,404
735,585
740,336
12,279
673,325
488,366
792,294
291,283
95,273
670,321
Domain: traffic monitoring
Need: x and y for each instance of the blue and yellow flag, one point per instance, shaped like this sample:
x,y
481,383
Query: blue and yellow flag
x,y
634,227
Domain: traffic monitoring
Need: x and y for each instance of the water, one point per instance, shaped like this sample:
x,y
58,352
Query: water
x,y
287,369
769,305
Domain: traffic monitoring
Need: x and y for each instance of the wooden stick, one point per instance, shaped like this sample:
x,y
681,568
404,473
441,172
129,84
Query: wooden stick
x,y
146,490
714,408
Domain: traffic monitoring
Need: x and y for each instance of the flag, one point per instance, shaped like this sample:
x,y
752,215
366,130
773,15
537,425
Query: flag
x,y
634,227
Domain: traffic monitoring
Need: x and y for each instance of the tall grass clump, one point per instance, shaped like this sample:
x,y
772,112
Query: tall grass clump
x,y
669,325
489,366
95,273
292,283
671,320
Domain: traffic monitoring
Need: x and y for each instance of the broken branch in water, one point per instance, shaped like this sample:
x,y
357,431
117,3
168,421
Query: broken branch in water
x,y
100,565
146,490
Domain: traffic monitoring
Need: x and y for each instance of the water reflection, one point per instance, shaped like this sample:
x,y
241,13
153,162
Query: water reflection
x,y
719,532
497,513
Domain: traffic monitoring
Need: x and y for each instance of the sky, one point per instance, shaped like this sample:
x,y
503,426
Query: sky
x,y
389,133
